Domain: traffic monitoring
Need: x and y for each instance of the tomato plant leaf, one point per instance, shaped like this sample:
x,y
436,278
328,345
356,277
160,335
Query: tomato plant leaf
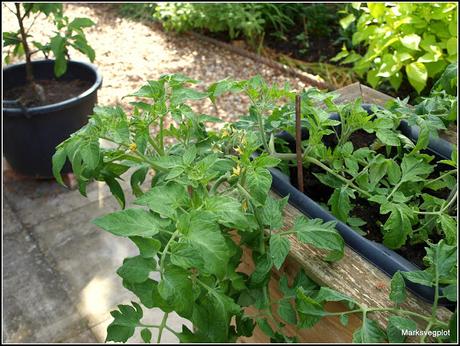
x,y
136,269
259,182
176,288
131,222
396,326
286,311
205,236
398,288
279,249
369,332
125,321
272,212
148,247
320,234
340,203
58,160
146,335
165,199
398,225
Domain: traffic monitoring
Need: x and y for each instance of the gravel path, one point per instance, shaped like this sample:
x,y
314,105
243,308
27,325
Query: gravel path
x,y
128,53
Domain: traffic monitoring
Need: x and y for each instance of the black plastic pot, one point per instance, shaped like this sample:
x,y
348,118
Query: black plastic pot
x,y
382,257
32,134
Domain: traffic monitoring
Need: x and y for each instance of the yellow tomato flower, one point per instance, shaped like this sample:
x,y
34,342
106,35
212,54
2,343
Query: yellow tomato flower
x,y
245,205
236,170
238,150
225,133
133,146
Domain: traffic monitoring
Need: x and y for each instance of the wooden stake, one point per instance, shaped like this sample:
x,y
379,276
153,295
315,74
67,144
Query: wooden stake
x,y
298,143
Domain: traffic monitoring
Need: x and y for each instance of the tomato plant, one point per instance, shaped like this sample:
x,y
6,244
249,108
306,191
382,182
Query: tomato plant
x,y
392,172
208,199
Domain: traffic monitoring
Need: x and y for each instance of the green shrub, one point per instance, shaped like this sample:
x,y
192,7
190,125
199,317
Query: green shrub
x,y
137,10
252,21
403,40
247,20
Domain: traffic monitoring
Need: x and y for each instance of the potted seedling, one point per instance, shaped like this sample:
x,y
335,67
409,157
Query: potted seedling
x,y
44,101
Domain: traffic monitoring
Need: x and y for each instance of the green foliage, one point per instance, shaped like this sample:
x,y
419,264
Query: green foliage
x,y
448,80
392,173
401,40
137,10
252,21
68,33
208,198
235,19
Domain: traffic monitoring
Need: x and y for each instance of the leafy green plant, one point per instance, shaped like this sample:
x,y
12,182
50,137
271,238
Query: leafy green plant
x,y
68,34
137,10
236,19
392,172
448,81
402,40
249,20
207,200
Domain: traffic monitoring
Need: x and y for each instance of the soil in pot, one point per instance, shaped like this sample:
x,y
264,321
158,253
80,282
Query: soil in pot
x,y
54,90
369,212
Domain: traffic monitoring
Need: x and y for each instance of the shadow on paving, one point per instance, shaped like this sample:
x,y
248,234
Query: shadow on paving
x,y
60,281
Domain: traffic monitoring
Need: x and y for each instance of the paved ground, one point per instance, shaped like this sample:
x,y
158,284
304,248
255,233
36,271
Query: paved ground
x,y
59,276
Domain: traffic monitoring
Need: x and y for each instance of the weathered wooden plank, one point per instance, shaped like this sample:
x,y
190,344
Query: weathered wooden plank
x,y
373,96
349,93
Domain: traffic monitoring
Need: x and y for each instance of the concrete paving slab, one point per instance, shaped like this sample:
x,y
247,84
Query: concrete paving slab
x,y
87,258
85,337
11,224
38,200
84,256
36,308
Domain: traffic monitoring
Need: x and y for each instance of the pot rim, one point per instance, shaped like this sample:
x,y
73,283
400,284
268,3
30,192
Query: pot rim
x,y
13,112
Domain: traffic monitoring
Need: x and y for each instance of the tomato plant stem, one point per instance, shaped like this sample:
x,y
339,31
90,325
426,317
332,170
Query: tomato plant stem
x,y
162,326
165,250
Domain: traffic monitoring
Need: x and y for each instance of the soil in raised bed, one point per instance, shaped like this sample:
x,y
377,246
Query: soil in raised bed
x,y
369,212
54,90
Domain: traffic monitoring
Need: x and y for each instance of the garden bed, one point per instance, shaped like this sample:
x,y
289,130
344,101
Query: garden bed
x,y
319,193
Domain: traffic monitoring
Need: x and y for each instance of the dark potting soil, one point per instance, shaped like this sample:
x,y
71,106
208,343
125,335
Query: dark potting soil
x,y
54,90
369,212
359,138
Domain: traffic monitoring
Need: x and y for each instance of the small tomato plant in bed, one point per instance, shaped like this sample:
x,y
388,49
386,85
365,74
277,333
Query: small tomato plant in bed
x,y
206,202
391,172
367,162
